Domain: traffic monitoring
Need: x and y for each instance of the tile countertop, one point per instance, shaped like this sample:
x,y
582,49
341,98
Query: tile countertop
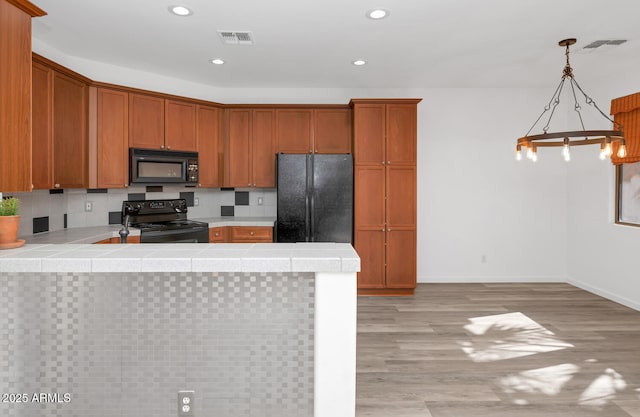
x,y
97,233
182,257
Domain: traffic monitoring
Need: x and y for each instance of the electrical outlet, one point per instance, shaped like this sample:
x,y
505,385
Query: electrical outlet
x,y
186,403
196,201
260,201
88,206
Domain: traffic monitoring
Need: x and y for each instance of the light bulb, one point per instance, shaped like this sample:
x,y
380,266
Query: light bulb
x,y
534,153
567,156
529,153
518,153
622,151
534,157
603,155
607,149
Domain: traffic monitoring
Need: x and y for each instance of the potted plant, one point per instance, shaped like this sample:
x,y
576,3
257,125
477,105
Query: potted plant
x,y
9,222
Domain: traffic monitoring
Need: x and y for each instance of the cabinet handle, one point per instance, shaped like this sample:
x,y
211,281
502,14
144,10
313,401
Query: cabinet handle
x,y
249,185
316,151
251,233
388,230
216,234
382,162
199,185
388,162
56,185
382,230
126,186
169,147
161,146
254,184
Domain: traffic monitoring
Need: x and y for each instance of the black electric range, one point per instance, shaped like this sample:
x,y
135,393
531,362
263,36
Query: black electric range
x,y
164,221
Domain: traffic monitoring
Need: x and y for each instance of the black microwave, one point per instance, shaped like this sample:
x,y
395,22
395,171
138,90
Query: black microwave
x,y
151,166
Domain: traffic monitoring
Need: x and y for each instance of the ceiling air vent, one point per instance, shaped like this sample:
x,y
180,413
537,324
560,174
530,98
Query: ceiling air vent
x,y
230,37
598,44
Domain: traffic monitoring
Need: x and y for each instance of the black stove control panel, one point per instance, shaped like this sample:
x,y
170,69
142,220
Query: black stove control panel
x,y
153,211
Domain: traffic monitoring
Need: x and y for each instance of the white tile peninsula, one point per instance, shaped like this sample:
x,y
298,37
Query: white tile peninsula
x,y
327,269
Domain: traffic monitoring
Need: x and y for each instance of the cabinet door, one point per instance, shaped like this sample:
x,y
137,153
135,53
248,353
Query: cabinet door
x,y
251,234
401,196
401,259
70,153
146,122
401,133
369,134
208,136
263,150
332,131
42,125
239,148
369,207
294,130
113,138
180,126
369,244
218,234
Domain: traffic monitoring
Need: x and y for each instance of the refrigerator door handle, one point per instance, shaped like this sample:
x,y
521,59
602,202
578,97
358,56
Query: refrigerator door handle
x,y
312,217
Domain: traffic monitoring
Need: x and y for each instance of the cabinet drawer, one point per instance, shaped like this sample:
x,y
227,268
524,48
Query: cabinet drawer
x,y
251,234
217,235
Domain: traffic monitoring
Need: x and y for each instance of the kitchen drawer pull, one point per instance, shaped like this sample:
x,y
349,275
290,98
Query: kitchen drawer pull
x,y
251,233
56,185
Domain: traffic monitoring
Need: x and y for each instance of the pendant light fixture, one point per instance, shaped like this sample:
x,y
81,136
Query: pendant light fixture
x,y
529,144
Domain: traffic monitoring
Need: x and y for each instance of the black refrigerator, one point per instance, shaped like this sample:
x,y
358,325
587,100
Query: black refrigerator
x,y
315,198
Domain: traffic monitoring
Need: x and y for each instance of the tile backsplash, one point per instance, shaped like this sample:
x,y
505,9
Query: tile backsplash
x,y
71,204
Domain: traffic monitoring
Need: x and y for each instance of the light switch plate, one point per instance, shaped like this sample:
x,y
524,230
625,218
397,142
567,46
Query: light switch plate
x,y
186,403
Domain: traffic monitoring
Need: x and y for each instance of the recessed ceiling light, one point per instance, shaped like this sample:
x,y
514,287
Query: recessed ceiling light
x,y
217,61
180,10
377,14
359,62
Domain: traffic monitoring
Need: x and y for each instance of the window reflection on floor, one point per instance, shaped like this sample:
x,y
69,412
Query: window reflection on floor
x,y
507,336
513,335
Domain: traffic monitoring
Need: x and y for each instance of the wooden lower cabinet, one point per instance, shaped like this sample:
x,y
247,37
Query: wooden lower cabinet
x,y
370,245
217,235
400,257
130,239
241,234
250,234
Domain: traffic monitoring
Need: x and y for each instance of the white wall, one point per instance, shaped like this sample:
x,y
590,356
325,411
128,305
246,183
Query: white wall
x,y
602,255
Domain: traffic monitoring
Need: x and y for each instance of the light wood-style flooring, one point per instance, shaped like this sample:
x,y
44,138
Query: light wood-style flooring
x,y
497,350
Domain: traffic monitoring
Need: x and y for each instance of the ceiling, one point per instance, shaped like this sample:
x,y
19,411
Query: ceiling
x,y
307,43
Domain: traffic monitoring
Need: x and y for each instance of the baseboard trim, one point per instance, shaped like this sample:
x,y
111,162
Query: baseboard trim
x,y
476,279
606,294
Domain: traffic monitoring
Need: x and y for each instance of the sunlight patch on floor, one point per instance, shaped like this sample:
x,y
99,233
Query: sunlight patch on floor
x,y
603,389
507,336
547,381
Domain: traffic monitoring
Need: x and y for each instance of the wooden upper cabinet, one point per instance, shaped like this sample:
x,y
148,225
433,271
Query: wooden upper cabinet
x,y
112,124
70,147
263,151
42,127
369,134
250,158
15,94
180,126
238,166
332,131
294,130
146,121
401,133
209,150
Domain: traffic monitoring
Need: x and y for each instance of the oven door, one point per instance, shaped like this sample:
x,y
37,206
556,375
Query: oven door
x,y
200,235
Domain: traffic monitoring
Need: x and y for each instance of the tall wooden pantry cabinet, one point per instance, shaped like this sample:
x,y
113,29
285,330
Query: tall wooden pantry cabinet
x,y
384,150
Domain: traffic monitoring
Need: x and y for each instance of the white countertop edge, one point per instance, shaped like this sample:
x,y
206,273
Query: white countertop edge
x,y
303,257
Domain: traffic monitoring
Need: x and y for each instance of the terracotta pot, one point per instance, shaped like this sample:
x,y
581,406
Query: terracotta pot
x,y
9,229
